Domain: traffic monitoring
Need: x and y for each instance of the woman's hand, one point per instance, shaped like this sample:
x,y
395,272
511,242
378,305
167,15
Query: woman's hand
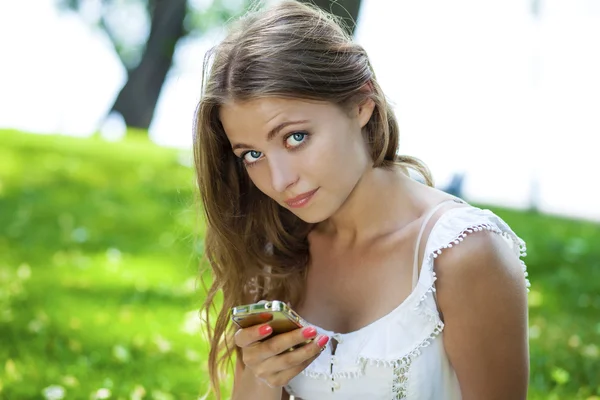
x,y
270,361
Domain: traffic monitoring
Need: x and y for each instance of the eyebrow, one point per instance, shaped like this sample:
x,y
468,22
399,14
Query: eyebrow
x,y
272,133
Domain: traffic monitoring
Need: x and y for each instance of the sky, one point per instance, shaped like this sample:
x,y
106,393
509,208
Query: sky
x,y
483,88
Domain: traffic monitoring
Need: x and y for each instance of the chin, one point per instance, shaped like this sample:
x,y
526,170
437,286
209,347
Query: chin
x,y
312,216
311,219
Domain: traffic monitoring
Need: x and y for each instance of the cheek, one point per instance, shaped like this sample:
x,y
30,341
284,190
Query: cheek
x,y
261,178
338,157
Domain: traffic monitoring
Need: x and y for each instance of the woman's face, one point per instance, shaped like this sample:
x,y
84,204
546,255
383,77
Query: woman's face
x,y
307,156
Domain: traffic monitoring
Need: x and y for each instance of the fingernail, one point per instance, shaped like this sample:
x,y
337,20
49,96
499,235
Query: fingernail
x,y
265,330
309,332
322,341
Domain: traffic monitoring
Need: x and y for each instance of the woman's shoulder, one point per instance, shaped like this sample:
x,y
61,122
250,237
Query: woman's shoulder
x,y
457,224
470,244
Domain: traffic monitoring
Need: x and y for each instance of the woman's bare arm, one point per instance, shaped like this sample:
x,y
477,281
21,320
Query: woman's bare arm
x,y
482,295
246,386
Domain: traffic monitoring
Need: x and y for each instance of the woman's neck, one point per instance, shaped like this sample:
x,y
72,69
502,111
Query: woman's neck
x,y
384,200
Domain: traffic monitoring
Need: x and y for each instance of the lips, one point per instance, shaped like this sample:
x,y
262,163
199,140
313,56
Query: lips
x,y
301,200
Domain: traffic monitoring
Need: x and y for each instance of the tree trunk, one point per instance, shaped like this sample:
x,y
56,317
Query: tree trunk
x,y
137,99
346,9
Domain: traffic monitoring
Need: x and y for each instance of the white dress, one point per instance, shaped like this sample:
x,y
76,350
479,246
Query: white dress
x,y
401,355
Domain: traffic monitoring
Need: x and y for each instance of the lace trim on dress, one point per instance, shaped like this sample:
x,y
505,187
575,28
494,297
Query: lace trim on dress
x,y
336,375
460,238
400,365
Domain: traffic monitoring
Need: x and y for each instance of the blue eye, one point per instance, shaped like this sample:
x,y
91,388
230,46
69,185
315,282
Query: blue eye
x,y
295,139
251,156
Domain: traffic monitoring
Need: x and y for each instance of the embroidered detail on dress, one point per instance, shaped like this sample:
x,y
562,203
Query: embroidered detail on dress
x,y
335,375
289,390
402,366
430,314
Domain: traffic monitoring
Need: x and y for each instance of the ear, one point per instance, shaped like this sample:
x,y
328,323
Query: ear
x,y
366,108
365,111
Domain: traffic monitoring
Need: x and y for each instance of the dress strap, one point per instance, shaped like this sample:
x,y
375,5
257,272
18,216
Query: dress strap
x,y
415,275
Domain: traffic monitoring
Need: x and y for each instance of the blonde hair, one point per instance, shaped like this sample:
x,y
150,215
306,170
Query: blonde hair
x,y
290,50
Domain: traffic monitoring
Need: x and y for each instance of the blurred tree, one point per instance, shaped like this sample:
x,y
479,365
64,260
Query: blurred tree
x,y
144,34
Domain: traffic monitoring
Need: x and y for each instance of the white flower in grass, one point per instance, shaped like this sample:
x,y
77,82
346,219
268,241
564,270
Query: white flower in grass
x,y
121,353
164,346
113,256
574,341
534,332
192,355
35,326
102,394
54,392
159,395
24,272
190,286
591,351
192,323
80,235
70,381
138,393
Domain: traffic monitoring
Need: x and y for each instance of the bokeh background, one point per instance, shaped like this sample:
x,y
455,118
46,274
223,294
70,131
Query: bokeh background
x,y
100,229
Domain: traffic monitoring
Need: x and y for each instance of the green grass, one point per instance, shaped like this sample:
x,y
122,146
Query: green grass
x,y
98,277
98,269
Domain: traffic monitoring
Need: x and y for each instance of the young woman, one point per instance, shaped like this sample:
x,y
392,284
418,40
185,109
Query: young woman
x,y
410,293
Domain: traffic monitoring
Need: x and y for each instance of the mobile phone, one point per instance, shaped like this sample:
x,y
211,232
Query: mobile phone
x,y
284,318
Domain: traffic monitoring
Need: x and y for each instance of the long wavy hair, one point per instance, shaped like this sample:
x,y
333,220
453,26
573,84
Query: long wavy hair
x,y
255,248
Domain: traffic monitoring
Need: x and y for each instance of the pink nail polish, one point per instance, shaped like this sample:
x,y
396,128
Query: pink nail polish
x,y
322,341
309,332
265,330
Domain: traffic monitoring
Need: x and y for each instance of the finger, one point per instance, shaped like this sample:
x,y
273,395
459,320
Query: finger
x,y
300,355
283,342
282,378
247,336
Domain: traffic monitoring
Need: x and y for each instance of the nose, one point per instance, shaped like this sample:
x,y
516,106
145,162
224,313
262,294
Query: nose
x,y
283,175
